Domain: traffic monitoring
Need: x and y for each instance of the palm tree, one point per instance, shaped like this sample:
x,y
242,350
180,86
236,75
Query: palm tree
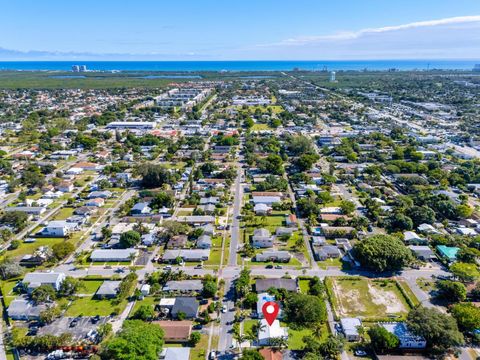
x,y
278,342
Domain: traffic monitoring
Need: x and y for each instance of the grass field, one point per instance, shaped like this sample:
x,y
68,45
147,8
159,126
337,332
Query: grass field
x,y
90,286
87,306
29,248
367,299
200,350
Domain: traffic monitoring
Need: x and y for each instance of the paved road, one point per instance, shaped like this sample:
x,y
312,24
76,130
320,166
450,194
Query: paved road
x,y
226,319
237,208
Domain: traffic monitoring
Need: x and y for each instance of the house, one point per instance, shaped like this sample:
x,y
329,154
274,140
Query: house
x,y
207,209
149,239
282,231
422,252
204,242
121,255
85,210
188,306
84,165
262,238
350,328
212,200
104,194
263,298
65,187
426,229
34,280
30,210
262,209
177,242
175,331
97,202
141,208
318,240
262,285
59,228
267,200
276,256
291,220
408,340
183,286
108,290
465,231
175,353
327,252
145,289
208,229
412,238
186,255
23,309
196,219
271,354
448,252
267,332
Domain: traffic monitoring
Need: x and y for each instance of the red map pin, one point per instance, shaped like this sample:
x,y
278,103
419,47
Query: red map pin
x,y
270,311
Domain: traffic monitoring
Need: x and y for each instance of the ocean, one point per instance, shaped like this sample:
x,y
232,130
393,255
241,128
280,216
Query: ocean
x,y
192,66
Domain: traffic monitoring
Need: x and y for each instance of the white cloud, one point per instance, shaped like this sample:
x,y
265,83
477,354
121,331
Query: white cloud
x,y
351,35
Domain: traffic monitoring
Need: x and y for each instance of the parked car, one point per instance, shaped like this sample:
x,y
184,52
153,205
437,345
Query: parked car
x,y
279,267
95,319
74,322
360,353
224,309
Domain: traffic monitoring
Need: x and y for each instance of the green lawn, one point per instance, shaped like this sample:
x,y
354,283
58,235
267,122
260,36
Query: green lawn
x,y
200,350
215,256
367,299
248,325
304,286
90,286
260,127
29,248
87,306
147,300
64,213
295,336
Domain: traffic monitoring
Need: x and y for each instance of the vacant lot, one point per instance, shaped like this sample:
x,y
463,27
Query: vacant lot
x,y
365,298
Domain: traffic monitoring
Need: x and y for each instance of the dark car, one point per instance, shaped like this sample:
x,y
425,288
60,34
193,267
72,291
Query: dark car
x,y
95,319
74,323
369,228
197,327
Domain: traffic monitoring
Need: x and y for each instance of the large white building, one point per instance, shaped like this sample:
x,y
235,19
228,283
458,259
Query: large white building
x,y
408,340
266,332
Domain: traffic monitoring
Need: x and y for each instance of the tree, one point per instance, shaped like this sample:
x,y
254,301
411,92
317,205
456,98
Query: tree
x,y
439,330
307,207
48,315
130,238
452,291
9,269
332,347
16,219
304,310
154,176
162,199
273,164
468,255
467,316
251,354
44,293
195,338
136,340
62,250
305,161
382,340
209,289
464,211
421,215
144,312
464,272
69,286
347,207
382,253
398,222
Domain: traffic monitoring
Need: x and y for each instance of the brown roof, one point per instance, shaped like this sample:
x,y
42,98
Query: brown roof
x,y
176,330
333,217
270,354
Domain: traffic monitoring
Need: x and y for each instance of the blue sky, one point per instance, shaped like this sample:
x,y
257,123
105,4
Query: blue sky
x,y
246,29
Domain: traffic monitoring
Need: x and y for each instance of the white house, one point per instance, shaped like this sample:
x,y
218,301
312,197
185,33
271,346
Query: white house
x,y
350,328
113,255
34,280
262,209
268,200
58,228
266,332
408,340
262,238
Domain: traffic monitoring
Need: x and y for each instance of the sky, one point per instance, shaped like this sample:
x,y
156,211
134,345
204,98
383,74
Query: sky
x,y
239,30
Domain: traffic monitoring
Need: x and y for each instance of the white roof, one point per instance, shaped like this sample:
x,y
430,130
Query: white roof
x,y
350,325
167,301
273,331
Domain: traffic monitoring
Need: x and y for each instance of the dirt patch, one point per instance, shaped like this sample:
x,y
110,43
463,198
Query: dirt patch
x,y
347,300
387,299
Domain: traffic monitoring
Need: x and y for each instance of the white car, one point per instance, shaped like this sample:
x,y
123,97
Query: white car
x,y
224,308
212,355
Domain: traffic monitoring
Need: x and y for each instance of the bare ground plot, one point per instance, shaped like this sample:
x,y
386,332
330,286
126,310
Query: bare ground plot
x,y
365,298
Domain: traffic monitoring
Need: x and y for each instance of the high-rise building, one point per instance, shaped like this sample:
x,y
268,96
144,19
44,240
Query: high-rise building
x,y
332,76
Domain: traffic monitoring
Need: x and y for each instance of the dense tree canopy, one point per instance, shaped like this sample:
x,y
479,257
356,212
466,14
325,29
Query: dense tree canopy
x,y
382,253
304,310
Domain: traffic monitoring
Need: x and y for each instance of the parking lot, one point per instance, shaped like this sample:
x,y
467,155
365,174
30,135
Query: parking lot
x,y
79,331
